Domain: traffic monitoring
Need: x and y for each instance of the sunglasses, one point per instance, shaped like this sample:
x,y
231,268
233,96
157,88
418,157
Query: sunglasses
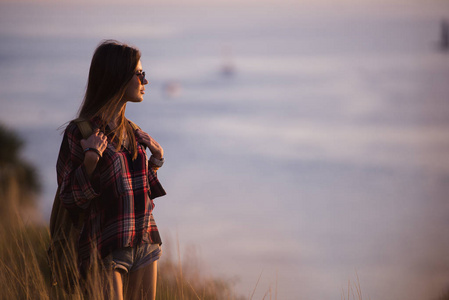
x,y
141,76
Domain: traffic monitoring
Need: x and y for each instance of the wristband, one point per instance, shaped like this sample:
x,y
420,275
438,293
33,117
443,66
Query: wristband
x,y
94,150
156,162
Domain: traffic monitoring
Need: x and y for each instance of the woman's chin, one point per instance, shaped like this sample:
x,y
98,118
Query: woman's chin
x,y
136,100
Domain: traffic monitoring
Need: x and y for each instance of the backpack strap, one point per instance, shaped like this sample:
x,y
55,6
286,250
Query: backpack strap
x,y
85,127
133,125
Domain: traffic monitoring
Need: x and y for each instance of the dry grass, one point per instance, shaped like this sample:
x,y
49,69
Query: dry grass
x,y
354,291
25,274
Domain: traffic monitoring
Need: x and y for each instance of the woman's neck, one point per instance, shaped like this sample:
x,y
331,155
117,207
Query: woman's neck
x,y
113,123
116,117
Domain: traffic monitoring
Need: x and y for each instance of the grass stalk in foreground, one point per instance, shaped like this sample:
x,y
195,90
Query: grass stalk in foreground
x,y
354,290
25,274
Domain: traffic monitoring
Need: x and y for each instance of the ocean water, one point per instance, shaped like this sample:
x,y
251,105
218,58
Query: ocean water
x,y
323,156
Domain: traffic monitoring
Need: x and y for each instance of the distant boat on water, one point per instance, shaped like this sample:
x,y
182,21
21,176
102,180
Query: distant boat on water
x,y
172,89
444,37
228,68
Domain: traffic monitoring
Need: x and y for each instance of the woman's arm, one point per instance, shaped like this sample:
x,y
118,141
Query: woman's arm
x,y
96,144
156,150
78,181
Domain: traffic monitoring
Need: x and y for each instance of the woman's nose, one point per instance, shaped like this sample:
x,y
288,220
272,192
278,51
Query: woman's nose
x,y
145,81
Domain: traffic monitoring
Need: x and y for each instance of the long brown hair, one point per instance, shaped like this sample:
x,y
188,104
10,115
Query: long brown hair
x,y
112,68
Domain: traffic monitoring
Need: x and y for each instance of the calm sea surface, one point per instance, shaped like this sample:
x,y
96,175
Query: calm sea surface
x,y
322,152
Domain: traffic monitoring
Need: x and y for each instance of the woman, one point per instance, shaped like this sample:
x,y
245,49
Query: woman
x,y
108,177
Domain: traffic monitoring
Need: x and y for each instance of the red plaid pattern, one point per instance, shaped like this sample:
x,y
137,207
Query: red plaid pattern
x,y
118,200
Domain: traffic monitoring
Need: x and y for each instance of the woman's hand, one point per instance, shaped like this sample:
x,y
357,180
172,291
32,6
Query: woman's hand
x,y
97,141
145,139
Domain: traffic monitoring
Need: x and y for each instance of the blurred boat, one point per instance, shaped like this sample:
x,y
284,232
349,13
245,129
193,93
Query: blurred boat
x,y
444,40
172,89
228,68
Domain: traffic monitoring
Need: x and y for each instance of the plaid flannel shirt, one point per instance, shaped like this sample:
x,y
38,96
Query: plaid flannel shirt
x,y
117,200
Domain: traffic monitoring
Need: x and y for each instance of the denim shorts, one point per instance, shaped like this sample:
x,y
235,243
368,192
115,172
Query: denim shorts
x,y
130,259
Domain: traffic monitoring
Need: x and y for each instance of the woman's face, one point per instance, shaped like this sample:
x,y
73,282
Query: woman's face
x,y
136,87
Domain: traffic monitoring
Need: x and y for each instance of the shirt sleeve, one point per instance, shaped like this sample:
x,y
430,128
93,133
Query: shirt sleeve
x,y
76,189
156,189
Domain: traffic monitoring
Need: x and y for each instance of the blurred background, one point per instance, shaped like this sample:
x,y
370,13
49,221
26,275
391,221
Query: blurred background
x,y
305,141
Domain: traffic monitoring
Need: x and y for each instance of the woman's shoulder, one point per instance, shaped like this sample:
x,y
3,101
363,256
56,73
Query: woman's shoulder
x,y
71,137
77,128
71,128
